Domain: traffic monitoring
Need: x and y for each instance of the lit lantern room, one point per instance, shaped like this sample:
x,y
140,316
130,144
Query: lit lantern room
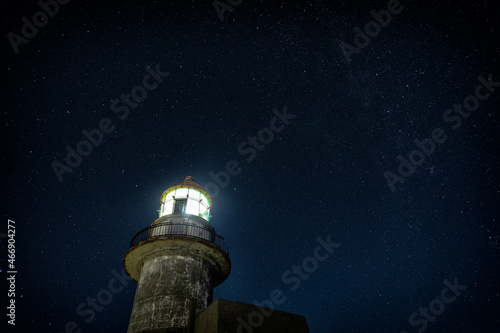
x,y
186,197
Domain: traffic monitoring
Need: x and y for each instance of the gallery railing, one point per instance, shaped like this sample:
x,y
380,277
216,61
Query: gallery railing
x,y
178,229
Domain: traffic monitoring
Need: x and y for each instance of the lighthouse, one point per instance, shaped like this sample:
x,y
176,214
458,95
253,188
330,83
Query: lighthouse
x,y
176,262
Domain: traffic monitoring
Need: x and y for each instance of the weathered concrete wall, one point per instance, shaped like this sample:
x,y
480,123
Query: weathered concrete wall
x,y
170,290
223,316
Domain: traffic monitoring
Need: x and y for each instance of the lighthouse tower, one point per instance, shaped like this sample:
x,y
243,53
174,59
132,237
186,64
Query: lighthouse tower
x,y
176,262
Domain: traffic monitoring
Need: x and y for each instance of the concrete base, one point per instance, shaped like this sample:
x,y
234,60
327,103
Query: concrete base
x,y
223,316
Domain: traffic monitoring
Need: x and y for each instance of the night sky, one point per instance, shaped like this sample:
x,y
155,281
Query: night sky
x,y
424,87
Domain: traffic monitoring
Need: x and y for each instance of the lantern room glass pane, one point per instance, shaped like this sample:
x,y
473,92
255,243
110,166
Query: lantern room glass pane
x,y
193,194
204,201
181,193
168,204
192,206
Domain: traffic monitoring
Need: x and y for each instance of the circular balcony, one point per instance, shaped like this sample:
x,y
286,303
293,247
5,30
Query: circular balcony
x,y
167,230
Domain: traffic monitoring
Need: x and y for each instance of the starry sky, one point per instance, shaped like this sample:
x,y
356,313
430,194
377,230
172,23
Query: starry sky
x,y
329,172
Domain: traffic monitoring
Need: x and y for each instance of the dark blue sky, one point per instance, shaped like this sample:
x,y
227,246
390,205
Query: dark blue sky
x,y
321,176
